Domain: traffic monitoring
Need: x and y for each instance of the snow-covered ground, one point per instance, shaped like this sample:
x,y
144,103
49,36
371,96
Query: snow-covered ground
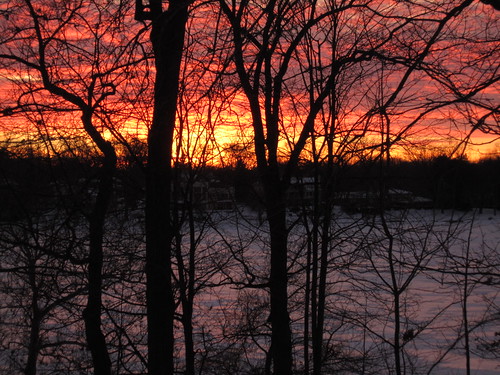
x,y
445,271
437,274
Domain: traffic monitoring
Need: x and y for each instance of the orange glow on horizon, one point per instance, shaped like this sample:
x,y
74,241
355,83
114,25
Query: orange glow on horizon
x,y
211,128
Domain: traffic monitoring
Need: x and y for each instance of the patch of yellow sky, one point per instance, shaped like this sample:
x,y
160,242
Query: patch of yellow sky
x,y
235,128
209,142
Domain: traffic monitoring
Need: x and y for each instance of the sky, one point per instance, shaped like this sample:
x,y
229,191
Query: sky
x,y
98,49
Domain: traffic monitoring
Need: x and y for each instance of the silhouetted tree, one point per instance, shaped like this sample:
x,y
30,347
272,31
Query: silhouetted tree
x,y
76,74
167,38
277,74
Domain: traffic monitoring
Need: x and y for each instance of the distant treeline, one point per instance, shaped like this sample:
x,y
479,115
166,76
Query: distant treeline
x,y
36,183
450,183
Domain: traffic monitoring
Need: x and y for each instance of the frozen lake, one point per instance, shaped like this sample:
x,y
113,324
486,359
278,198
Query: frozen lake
x,y
445,271
420,284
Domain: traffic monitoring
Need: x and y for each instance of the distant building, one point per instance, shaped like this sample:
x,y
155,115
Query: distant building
x,y
213,195
370,202
301,192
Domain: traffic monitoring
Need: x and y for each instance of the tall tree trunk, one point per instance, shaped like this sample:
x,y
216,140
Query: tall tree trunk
x,y
188,301
322,223
185,280
281,336
92,313
321,295
167,37
34,341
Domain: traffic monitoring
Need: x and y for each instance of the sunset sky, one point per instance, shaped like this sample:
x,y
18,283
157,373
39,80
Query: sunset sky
x,y
124,248
100,49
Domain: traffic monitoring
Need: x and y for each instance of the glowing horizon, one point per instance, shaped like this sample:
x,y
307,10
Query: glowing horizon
x,y
211,119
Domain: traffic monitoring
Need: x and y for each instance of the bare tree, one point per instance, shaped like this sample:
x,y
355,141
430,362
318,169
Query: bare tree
x,y
167,38
269,43
79,71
